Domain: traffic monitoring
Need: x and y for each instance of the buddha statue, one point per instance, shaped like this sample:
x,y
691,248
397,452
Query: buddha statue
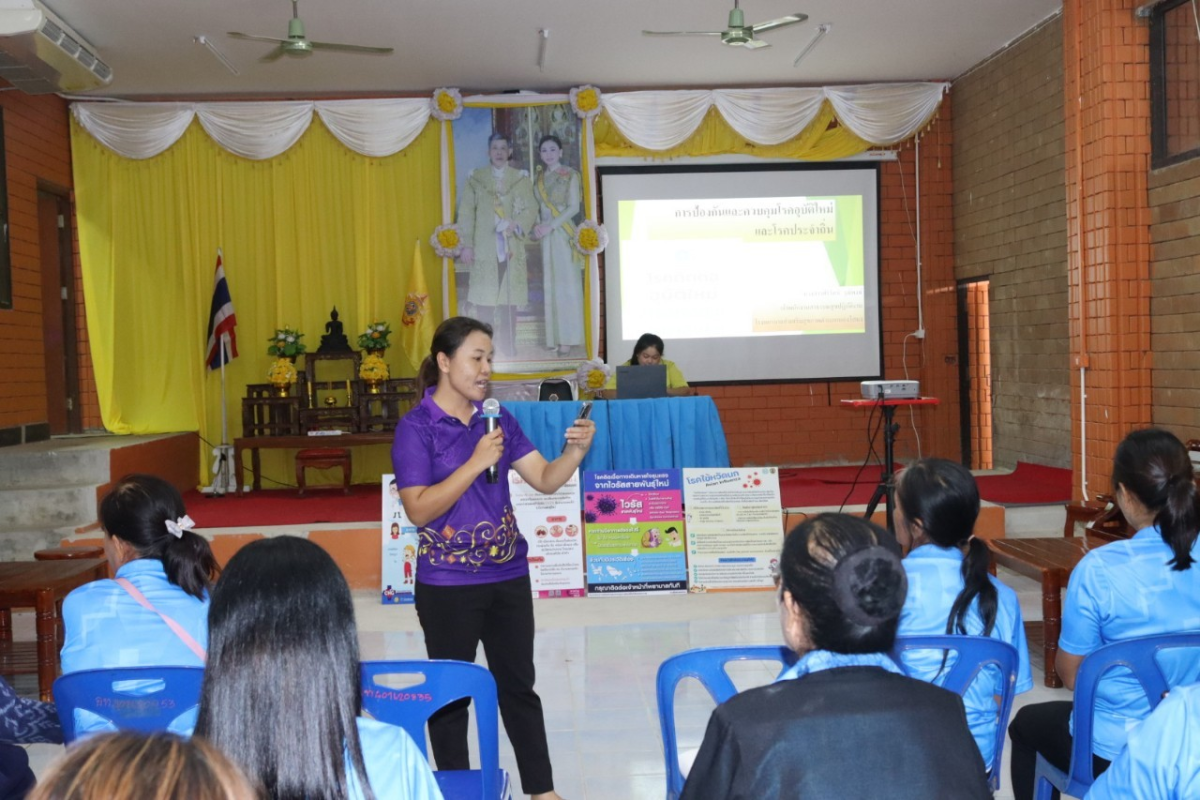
x,y
334,340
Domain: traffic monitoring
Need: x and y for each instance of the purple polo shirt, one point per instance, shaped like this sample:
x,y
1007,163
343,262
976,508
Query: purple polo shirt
x,y
477,540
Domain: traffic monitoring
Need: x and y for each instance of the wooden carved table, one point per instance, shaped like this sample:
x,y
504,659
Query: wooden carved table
x,y
41,585
1050,561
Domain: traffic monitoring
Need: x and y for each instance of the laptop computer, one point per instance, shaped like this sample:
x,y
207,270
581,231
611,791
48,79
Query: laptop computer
x,y
639,382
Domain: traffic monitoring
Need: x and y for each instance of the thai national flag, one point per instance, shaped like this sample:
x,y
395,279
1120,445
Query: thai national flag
x,y
221,320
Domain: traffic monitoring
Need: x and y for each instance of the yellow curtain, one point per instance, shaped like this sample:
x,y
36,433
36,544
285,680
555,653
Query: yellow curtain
x,y
822,140
315,227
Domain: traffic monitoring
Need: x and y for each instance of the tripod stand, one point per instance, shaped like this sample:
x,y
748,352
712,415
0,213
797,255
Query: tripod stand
x,y
886,490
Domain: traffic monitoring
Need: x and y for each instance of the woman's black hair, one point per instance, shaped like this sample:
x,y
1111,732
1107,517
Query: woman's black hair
x,y
550,137
136,510
448,337
281,688
943,498
1154,465
846,576
644,342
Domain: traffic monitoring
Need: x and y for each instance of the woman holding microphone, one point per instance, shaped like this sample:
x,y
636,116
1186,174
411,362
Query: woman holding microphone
x,y
472,582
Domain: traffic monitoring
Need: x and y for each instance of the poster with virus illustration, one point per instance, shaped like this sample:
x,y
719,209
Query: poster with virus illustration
x,y
734,528
633,532
399,548
551,524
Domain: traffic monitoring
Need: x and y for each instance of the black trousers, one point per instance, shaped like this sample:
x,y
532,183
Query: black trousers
x,y
455,620
1042,728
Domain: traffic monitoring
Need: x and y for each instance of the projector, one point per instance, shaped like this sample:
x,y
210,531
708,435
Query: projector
x,y
890,390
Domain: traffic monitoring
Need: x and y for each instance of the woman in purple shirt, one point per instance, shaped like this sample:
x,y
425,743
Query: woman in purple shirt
x,y
472,575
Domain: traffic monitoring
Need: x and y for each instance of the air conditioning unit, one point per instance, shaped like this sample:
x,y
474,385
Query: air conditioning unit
x,y
40,54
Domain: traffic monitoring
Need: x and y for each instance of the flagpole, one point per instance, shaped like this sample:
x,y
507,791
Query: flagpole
x,y
223,470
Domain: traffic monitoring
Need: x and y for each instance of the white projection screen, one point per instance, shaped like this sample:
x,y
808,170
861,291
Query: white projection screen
x,y
748,273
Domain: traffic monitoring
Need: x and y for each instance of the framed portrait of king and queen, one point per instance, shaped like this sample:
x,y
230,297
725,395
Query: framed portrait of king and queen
x,y
518,197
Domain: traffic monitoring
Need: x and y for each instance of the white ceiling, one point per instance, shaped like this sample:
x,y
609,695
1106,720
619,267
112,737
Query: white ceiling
x,y
489,45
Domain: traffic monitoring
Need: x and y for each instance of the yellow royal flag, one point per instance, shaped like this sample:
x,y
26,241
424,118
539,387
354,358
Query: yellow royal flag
x,y
417,333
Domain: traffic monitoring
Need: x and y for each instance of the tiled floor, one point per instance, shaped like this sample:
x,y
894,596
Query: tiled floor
x,y
597,659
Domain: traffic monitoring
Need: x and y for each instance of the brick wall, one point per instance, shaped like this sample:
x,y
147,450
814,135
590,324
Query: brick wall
x,y
803,423
36,148
1010,227
1175,298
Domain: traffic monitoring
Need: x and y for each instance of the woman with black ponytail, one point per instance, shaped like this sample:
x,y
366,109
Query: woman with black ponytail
x,y
155,611
950,589
1143,586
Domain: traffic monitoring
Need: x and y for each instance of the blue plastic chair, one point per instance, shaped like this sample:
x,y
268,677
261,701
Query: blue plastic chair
x,y
974,654
707,665
142,699
411,707
1139,656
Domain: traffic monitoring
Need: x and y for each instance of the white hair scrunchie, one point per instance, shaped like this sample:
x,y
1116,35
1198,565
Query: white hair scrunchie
x,y
184,523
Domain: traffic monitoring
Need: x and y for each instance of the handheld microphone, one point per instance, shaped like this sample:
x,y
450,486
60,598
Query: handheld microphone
x,y
491,418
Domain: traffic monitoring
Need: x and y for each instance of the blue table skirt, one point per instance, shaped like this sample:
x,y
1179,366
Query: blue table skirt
x,y
663,433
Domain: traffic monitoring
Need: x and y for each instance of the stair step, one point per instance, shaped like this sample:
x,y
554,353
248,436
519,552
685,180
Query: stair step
x,y
50,507
20,545
53,463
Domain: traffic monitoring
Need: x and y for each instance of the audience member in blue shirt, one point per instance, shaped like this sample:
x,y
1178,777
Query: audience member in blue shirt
x,y
149,542
1162,759
281,693
1137,587
950,589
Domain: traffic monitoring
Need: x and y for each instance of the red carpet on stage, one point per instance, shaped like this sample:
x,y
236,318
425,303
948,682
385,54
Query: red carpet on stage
x,y
283,507
1029,484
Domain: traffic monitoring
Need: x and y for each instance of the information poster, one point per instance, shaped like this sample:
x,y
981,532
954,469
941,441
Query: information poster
x,y
399,547
734,526
633,527
551,524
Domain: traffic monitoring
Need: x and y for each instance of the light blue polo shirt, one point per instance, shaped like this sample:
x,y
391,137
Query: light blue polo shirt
x,y
1162,759
396,767
1124,590
934,581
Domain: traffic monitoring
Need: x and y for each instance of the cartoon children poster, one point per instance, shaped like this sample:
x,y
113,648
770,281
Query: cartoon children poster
x,y
399,537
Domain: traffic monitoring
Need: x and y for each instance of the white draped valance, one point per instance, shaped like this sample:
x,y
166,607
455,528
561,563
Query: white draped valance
x,y
882,114
256,130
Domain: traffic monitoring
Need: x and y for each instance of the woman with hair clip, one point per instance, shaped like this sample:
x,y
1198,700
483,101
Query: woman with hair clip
x,y
281,695
472,582
949,587
843,721
1143,586
154,612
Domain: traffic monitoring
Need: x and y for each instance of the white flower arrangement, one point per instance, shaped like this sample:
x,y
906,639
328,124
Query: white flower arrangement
x,y
447,241
586,101
446,105
592,377
590,238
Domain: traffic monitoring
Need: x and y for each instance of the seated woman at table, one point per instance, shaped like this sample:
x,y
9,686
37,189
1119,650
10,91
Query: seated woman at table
x,y
281,694
1143,586
155,611
843,721
949,588
648,352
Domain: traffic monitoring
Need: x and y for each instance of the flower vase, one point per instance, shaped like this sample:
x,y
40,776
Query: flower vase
x,y
374,387
282,389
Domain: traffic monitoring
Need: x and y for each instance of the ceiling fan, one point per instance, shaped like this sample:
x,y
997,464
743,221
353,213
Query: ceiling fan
x,y
739,34
298,45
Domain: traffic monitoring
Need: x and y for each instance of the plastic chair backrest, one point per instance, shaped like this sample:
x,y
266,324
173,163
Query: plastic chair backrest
x,y
411,707
555,389
131,698
974,654
707,665
1139,656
